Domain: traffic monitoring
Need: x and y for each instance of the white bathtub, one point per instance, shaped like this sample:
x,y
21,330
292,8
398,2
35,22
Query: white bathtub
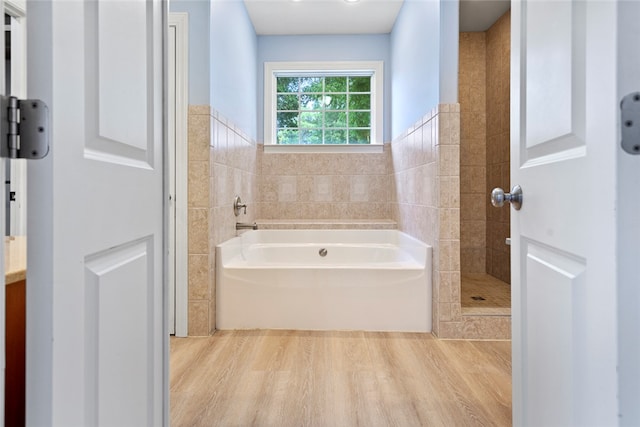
x,y
372,280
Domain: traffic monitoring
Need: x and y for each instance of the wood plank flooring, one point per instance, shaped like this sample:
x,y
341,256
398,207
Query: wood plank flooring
x,y
305,378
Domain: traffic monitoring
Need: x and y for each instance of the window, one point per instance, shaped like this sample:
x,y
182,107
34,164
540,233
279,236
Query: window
x,y
323,103
323,110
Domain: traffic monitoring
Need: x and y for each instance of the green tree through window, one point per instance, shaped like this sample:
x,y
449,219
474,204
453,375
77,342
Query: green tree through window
x,y
323,109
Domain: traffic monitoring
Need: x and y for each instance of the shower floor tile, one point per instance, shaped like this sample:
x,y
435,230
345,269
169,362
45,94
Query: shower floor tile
x,y
484,294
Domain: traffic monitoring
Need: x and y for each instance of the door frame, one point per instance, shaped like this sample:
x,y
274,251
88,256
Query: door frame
x,y
17,10
178,254
628,231
3,300
18,173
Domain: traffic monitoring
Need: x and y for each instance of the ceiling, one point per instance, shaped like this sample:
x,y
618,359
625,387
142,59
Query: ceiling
x,y
279,17
479,15
296,17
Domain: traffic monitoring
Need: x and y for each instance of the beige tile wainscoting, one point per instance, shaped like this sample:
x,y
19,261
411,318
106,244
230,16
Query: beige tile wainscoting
x,y
222,163
324,186
200,286
426,204
328,224
414,185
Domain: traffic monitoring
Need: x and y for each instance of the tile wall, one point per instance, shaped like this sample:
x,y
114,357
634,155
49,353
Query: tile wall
x,y
426,204
233,172
415,183
222,163
200,286
484,148
324,186
413,174
473,182
234,160
498,42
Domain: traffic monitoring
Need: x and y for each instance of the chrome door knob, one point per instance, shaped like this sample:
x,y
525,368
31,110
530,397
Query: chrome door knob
x,y
498,197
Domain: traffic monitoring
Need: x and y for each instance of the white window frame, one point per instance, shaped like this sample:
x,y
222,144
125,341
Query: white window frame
x,y
274,69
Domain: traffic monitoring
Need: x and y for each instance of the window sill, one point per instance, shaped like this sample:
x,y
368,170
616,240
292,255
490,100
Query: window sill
x,y
369,148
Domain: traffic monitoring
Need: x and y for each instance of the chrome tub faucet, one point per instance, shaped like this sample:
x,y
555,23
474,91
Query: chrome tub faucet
x,y
246,226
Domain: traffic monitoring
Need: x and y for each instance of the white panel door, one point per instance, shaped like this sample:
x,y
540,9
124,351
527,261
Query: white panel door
x,y
563,150
97,339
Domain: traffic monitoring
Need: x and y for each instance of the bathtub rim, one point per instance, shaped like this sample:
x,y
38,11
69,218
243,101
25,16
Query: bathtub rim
x,y
419,250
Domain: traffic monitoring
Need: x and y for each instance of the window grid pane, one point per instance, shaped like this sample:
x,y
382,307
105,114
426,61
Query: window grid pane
x,y
323,110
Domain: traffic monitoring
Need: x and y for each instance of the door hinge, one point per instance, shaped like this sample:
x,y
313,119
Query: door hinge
x,y
25,125
630,123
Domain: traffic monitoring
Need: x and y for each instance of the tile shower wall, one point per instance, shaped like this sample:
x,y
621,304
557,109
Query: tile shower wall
x,y
323,186
222,163
426,204
498,104
472,81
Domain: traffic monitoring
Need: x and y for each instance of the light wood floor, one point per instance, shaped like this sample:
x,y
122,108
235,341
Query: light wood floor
x,y
302,378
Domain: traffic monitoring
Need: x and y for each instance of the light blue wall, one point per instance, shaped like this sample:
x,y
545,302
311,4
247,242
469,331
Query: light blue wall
x,y
225,56
424,60
233,64
325,48
198,11
449,47
415,47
